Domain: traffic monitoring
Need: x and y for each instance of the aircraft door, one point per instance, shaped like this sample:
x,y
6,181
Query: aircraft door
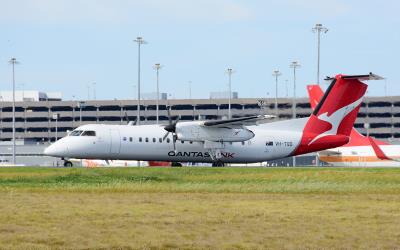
x,y
115,141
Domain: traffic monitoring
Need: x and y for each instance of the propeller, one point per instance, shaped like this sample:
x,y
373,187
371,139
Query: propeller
x,y
171,128
130,123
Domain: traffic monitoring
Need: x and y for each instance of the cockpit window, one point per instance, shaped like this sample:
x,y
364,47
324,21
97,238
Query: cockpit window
x,y
88,133
76,133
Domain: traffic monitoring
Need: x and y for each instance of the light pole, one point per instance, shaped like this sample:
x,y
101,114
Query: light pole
x,y
385,87
190,89
157,67
139,40
81,105
23,91
94,91
190,98
366,124
286,86
230,71
55,117
318,29
88,91
276,74
13,61
294,65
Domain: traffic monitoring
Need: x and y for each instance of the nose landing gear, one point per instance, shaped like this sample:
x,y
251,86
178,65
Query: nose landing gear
x,y
67,164
218,164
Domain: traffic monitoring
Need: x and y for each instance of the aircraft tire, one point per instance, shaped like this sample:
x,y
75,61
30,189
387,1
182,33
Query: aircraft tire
x,y
176,164
68,164
218,164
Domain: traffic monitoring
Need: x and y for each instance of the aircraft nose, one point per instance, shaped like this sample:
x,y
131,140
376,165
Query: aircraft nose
x,y
54,149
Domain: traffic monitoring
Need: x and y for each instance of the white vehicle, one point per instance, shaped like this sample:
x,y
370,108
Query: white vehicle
x,y
361,151
239,140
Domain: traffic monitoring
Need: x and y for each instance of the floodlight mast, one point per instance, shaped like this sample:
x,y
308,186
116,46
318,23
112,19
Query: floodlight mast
x,y
276,74
230,71
318,29
190,89
190,97
94,90
13,61
157,67
139,40
294,65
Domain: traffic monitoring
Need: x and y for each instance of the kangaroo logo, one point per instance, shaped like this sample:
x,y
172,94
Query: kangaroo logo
x,y
335,119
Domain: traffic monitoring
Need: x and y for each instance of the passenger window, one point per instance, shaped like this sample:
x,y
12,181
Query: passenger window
x,y
147,139
242,142
140,139
88,133
154,139
130,139
168,140
124,138
191,142
160,140
182,142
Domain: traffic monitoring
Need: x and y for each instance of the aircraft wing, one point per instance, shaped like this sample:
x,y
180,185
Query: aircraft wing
x,y
379,152
239,122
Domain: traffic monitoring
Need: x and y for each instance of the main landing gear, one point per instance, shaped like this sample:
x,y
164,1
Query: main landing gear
x,y
176,164
218,164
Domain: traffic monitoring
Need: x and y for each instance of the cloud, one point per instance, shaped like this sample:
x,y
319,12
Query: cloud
x,y
107,11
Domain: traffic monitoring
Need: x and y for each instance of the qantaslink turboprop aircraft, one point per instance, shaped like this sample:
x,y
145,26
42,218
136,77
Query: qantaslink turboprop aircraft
x,y
239,140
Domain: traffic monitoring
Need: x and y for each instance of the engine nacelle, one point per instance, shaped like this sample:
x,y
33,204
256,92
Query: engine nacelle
x,y
195,131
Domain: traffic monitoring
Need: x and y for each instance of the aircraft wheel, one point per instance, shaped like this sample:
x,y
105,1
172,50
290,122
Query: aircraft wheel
x,y
176,164
68,164
218,164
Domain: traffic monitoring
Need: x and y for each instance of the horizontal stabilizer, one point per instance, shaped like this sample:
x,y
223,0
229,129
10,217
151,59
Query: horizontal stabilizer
x,y
329,152
368,77
378,151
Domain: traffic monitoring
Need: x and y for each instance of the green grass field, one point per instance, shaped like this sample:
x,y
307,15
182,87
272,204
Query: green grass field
x,y
219,208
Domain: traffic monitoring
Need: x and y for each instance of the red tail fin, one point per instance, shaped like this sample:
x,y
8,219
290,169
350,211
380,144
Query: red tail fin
x,y
315,94
333,118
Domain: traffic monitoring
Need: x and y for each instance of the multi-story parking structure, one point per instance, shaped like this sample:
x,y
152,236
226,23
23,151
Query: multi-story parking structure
x,y
379,116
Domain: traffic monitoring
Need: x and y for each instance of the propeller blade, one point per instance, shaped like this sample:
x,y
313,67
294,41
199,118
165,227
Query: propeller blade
x,y
127,117
173,142
171,127
169,115
165,136
177,120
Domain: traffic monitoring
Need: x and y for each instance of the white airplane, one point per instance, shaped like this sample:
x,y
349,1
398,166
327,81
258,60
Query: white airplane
x,y
361,151
239,140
